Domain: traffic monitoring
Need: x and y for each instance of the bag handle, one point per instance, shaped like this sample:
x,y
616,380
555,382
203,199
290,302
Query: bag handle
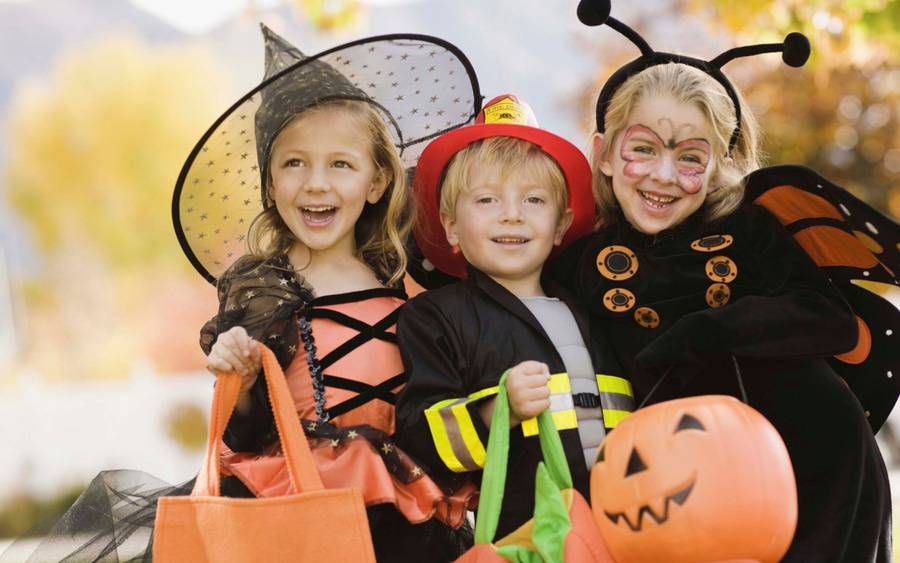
x,y
737,372
493,479
302,471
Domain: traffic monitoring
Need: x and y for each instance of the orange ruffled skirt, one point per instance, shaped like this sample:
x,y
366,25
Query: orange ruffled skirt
x,y
354,463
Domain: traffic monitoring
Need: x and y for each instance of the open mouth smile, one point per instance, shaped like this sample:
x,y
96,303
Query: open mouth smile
x,y
678,498
318,215
510,240
657,201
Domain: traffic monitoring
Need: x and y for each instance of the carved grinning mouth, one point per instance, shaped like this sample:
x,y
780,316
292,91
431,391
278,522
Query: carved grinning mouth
x,y
678,498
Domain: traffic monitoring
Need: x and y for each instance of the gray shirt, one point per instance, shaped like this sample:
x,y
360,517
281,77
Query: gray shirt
x,y
560,326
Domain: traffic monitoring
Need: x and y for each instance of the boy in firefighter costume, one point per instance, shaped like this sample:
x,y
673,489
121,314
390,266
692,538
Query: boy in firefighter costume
x,y
696,277
505,193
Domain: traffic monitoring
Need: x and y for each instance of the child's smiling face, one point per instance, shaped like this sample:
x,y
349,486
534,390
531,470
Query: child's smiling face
x,y
506,227
661,164
322,176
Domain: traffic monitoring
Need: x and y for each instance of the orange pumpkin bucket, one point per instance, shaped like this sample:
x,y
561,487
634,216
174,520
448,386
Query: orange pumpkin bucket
x,y
699,479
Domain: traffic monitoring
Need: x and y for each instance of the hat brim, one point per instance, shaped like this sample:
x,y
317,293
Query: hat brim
x,y
429,231
422,85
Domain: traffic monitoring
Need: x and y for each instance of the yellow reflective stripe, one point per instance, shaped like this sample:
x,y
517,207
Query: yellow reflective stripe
x,y
530,427
612,417
439,435
484,393
564,418
616,398
468,432
559,383
614,384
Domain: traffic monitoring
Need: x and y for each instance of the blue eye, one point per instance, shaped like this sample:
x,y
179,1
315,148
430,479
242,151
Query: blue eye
x,y
341,164
691,158
534,199
293,163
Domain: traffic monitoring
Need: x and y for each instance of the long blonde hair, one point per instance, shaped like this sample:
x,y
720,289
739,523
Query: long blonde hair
x,y
382,228
686,85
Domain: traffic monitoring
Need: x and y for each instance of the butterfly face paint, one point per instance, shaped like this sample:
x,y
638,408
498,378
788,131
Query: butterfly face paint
x,y
644,151
661,164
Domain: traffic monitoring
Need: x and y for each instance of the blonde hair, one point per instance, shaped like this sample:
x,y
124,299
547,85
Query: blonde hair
x,y
686,85
381,229
505,155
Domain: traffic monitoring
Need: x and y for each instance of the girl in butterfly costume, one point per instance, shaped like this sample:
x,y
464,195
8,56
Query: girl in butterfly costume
x,y
696,277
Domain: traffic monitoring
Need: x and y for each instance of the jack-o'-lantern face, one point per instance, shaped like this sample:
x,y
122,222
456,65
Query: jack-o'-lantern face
x,y
676,492
705,478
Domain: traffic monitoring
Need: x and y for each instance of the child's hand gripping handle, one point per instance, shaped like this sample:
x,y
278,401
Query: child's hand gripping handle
x,y
528,390
300,464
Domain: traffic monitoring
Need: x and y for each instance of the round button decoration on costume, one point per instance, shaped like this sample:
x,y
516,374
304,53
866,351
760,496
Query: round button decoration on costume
x,y
721,269
617,263
700,479
712,243
717,295
618,300
646,317
502,116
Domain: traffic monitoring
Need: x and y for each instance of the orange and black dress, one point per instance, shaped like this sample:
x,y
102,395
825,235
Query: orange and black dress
x,y
344,370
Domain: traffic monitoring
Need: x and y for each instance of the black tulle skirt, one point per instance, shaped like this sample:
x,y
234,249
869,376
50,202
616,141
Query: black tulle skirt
x,y
112,522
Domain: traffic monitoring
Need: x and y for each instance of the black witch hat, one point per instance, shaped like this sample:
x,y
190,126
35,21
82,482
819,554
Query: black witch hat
x,y
421,86
795,51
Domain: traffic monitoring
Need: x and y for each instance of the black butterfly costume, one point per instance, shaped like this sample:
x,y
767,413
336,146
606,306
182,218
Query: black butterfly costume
x,y
789,291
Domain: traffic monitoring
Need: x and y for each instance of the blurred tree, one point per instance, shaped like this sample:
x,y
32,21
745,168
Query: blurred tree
x,y
329,15
186,425
844,32
26,513
841,113
94,155
97,150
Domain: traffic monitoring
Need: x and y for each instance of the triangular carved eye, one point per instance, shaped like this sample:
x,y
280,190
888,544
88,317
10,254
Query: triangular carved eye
x,y
689,422
601,455
635,463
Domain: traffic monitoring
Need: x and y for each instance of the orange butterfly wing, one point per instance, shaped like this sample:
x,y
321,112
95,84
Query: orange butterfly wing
x,y
858,248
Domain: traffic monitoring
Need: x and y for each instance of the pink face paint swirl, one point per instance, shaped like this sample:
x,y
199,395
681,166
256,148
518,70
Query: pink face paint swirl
x,y
647,152
639,162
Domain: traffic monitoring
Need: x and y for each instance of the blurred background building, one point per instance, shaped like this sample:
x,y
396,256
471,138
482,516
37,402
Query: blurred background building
x,y
102,100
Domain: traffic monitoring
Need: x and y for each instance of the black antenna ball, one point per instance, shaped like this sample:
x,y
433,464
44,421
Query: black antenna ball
x,y
594,12
796,49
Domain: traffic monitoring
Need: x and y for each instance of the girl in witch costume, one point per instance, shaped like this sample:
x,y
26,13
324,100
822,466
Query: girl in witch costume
x,y
314,159
323,282
496,198
694,281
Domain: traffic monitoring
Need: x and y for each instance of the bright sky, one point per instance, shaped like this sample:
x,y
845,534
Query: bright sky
x,y
198,16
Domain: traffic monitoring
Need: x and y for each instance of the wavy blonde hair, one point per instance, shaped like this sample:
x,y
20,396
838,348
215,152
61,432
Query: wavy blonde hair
x,y
382,228
686,85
